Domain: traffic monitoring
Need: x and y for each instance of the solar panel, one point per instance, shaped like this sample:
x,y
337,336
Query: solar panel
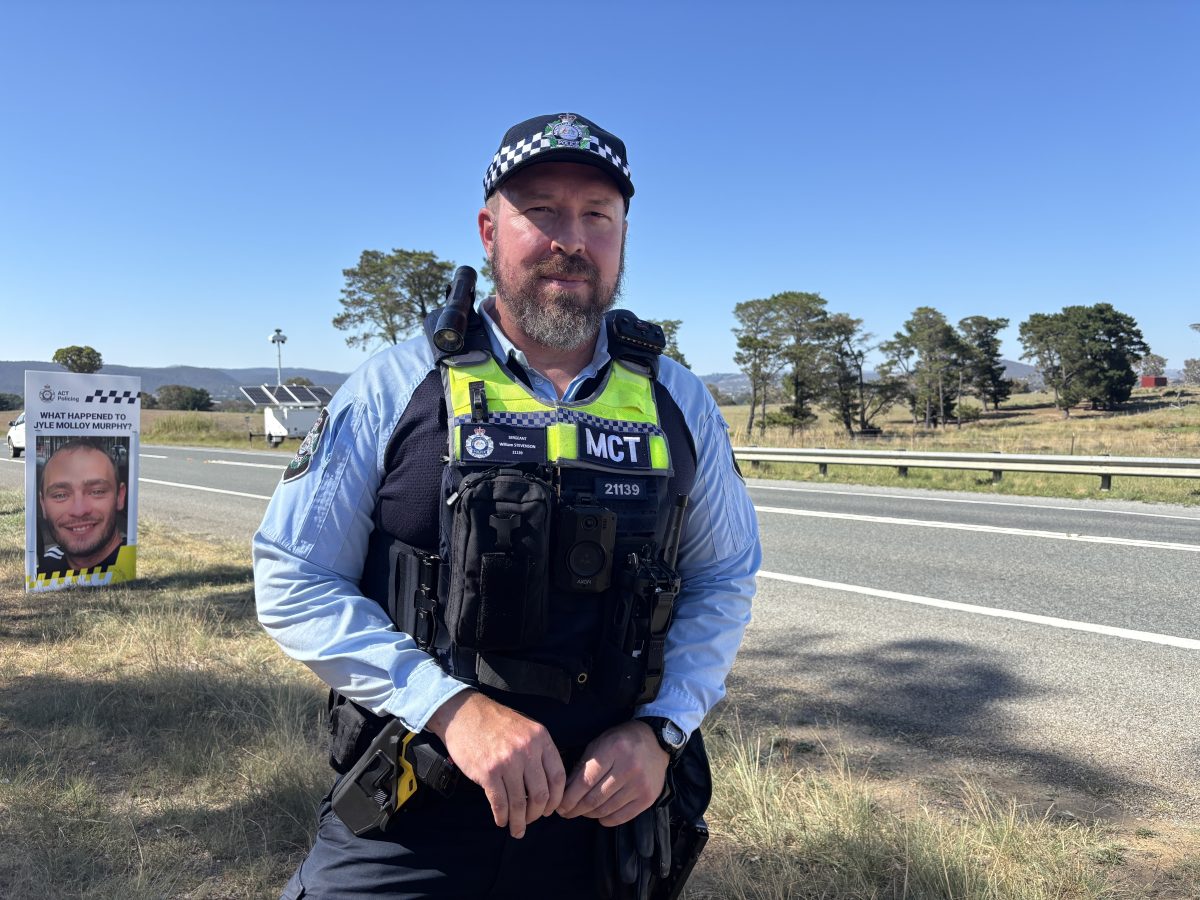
x,y
257,395
279,393
301,393
287,395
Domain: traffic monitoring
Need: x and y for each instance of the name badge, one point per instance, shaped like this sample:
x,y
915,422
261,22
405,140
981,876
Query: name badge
x,y
614,448
501,444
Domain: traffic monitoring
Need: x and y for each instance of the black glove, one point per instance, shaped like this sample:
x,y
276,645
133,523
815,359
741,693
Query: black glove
x,y
642,851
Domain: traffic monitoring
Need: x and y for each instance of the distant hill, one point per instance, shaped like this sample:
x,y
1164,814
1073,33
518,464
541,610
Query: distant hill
x,y
1022,372
221,384
734,385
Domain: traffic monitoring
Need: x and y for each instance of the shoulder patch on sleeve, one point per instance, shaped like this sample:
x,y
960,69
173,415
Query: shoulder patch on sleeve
x,y
308,447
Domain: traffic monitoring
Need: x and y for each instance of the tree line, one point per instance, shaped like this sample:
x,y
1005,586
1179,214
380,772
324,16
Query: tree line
x,y
791,346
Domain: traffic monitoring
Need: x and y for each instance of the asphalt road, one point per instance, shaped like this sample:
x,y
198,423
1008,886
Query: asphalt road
x,y
1055,639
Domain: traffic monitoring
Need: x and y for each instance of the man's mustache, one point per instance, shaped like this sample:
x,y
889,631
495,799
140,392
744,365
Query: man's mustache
x,y
566,265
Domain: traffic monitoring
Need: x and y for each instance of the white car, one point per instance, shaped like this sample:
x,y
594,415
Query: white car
x,y
16,436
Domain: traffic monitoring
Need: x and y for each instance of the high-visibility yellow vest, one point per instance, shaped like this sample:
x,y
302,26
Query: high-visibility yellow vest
x,y
495,419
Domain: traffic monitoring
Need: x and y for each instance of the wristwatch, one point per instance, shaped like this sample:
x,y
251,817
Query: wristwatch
x,y
669,735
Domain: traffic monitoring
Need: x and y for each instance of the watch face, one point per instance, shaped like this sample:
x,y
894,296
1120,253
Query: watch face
x,y
673,735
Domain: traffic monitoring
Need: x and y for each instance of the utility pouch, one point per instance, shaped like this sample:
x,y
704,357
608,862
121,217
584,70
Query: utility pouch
x,y
412,592
499,557
351,730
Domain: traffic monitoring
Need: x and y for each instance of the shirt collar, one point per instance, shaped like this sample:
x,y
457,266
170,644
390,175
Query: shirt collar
x,y
503,348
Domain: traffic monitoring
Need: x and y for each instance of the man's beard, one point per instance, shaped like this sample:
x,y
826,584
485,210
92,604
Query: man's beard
x,y
71,544
560,320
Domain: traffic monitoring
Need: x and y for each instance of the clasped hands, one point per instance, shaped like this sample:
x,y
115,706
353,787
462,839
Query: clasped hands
x,y
512,757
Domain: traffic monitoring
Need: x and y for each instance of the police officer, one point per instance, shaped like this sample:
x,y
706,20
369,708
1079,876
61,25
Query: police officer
x,y
531,716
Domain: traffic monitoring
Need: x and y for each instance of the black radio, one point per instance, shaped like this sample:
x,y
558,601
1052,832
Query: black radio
x,y
583,559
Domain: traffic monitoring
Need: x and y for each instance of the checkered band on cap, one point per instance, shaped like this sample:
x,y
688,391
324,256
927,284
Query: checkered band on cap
x,y
540,140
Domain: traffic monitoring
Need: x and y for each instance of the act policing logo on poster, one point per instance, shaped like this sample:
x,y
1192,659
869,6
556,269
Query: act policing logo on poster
x,y
81,479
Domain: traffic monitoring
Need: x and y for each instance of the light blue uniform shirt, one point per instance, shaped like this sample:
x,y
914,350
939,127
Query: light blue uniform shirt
x,y
310,549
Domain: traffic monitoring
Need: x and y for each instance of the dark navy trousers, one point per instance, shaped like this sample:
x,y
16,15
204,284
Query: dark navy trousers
x,y
450,848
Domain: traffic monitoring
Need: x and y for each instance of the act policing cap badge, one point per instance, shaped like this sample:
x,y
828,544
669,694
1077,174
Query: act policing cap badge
x,y
565,133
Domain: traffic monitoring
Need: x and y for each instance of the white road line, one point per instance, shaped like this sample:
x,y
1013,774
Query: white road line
x,y
152,456
231,462
15,462
265,454
196,487
987,529
1127,633
1017,505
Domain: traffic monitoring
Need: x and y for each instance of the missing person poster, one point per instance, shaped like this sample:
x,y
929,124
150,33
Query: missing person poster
x,y
81,475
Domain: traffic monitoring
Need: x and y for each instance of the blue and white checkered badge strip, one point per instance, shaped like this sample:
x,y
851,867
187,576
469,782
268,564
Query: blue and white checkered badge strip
x,y
112,397
507,157
562,416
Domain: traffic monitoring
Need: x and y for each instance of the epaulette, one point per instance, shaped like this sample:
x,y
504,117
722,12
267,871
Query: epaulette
x,y
634,341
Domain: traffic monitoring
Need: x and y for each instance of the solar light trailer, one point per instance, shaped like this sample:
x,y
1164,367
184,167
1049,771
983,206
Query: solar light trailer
x,y
289,410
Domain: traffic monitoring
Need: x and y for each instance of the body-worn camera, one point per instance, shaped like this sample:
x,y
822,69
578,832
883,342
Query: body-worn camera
x,y
583,559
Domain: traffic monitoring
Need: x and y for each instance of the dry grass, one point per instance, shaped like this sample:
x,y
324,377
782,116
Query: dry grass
x,y
154,743
1151,426
788,826
205,429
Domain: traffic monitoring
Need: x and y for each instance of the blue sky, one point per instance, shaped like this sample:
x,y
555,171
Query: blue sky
x,y
177,180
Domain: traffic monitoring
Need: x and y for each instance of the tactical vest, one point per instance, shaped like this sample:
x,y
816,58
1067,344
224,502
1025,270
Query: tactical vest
x,y
554,578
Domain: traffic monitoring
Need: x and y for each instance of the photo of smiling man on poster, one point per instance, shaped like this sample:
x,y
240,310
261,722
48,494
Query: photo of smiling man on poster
x,y
81,501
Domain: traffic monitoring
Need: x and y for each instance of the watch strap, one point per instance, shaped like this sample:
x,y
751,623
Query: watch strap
x,y
658,725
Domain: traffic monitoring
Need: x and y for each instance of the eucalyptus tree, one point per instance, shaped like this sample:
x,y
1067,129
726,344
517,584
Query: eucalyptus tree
x,y
1153,364
846,390
75,358
759,352
1191,372
387,295
930,355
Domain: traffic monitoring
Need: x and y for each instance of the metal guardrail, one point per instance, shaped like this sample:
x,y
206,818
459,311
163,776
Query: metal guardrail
x,y
996,463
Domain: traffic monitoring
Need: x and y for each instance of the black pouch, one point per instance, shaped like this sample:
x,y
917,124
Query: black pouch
x,y
499,557
351,730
